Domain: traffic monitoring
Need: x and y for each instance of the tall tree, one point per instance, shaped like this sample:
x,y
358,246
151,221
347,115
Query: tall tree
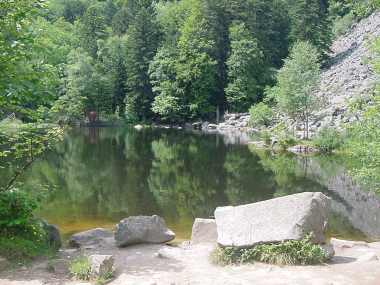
x,y
244,69
92,27
143,40
297,80
310,22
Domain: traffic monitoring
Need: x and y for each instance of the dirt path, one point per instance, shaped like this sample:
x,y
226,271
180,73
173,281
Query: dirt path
x,y
354,263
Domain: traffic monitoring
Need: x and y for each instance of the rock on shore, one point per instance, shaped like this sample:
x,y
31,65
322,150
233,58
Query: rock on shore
x,y
286,218
142,229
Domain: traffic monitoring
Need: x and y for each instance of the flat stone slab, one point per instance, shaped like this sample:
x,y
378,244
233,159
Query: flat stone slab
x,y
280,219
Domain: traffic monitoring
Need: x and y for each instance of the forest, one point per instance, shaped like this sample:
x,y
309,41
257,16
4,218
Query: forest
x,y
145,60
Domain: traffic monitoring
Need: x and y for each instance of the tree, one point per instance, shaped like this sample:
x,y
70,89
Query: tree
x,y
310,22
92,27
142,43
244,69
112,56
196,69
296,84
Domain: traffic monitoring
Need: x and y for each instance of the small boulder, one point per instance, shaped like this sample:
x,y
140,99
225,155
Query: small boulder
x,y
212,126
102,265
197,125
285,218
204,231
139,127
53,235
142,229
90,238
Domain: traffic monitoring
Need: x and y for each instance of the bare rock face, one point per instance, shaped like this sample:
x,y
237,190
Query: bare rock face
x,y
142,229
280,219
95,237
101,265
204,231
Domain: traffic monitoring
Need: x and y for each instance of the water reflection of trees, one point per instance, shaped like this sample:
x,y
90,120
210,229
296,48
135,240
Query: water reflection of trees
x,y
108,174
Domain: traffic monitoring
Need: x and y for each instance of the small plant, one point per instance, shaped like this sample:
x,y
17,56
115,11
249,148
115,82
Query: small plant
x,y
266,137
260,115
80,268
328,140
295,252
285,140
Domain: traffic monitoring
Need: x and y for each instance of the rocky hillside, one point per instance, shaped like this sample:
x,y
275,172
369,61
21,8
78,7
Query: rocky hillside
x,y
349,76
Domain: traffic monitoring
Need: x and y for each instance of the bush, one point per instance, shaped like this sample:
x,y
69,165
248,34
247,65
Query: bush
x,y
285,140
20,249
16,212
261,115
80,268
22,236
328,140
301,252
343,24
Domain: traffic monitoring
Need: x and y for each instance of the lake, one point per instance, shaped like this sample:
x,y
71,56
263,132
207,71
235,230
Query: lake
x,y
98,176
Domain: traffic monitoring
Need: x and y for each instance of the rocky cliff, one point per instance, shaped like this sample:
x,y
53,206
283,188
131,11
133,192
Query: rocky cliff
x,y
349,77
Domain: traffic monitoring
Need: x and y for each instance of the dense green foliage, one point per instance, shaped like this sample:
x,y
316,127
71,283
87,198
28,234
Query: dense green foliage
x,y
297,80
147,60
328,140
294,252
261,115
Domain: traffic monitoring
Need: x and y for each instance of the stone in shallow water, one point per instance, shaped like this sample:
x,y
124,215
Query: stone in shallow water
x,y
92,237
286,218
204,231
142,229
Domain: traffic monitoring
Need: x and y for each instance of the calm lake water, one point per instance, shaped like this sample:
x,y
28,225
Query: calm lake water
x,y
98,176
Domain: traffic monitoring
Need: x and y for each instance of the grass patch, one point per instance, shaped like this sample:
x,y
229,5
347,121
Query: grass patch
x,y
80,268
301,252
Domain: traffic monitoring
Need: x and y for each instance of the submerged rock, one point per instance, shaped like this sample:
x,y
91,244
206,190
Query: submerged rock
x,y
101,265
142,229
90,238
204,231
286,218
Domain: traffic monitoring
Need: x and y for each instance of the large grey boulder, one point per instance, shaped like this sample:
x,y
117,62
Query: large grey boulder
x,y
280,219
95,237
204,231
142,229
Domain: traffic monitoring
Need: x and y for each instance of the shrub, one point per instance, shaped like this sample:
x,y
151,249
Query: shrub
x,y
21,249
16,211
301,252
328,140
261,115
342,24
80,268
285,140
